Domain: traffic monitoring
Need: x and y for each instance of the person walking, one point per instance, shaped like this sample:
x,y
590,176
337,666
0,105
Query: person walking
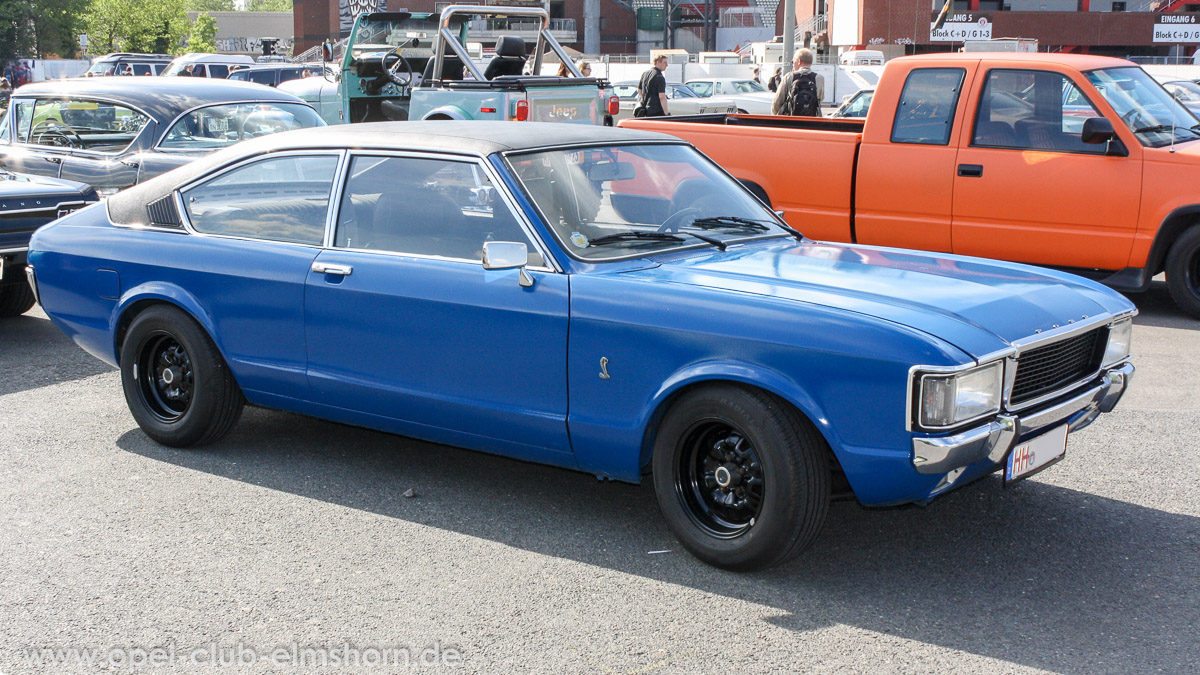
x,y
652,91
800,91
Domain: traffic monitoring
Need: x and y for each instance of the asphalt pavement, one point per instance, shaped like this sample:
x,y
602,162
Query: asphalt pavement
x,y
294,534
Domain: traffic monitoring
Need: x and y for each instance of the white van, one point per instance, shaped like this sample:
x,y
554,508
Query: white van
x,y
207,65
862,57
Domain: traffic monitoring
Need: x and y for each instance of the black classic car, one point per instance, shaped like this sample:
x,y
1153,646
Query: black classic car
x,y
27,203
113,132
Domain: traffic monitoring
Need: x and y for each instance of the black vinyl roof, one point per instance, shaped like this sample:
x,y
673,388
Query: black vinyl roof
x,y
475,138
163,98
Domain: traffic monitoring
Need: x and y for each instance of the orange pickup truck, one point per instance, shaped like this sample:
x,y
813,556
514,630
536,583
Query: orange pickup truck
x,y
1078,162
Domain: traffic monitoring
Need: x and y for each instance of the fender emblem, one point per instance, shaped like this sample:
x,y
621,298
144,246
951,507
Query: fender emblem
x,y
604,368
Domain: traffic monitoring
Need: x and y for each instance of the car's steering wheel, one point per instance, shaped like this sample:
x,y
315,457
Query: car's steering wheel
x,y
1129,117
679,219
61,135
393,71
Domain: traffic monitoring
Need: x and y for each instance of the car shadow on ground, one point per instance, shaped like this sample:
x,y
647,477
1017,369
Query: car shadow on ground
x,y
34,353
1156,308
1035,575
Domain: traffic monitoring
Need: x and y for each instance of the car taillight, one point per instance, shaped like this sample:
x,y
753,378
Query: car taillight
x,y
522,111
614,105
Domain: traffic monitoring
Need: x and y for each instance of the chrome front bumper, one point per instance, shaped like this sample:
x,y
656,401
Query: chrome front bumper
x,y
951,454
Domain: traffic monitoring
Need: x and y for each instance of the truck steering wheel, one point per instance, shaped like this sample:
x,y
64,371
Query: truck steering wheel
x,y
393,71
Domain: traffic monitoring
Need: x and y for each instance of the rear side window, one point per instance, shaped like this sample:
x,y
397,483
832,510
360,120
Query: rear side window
x,y
266,77
926,111
218,70
281,199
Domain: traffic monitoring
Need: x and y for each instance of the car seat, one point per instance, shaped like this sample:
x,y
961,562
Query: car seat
x,y
509,59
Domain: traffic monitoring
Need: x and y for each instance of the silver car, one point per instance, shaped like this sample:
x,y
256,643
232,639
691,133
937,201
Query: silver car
x,y
681,100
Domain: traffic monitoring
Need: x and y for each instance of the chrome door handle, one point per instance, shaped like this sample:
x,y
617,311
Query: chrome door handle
x,y
326,268
54,160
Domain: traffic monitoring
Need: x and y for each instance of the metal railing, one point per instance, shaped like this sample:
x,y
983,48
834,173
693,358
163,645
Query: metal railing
x,y
815,23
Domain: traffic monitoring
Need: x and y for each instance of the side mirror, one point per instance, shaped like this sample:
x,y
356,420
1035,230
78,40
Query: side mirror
x,y
1097,130
507,255
326,51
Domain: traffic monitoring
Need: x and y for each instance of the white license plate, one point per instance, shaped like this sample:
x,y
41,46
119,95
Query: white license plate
x,y
1036,454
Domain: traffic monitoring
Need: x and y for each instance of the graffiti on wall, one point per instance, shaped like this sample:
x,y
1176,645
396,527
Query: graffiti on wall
x,y
244,45
348,11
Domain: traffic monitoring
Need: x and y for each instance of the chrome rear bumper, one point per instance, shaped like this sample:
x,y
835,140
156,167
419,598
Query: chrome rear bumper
x,y
993,440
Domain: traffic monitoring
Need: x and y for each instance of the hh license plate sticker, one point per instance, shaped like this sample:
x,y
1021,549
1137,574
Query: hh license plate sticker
x,y
1034,454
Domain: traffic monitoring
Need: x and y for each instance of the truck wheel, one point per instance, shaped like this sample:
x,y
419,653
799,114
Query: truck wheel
x,y
15,300
742,480
176,384
1183,272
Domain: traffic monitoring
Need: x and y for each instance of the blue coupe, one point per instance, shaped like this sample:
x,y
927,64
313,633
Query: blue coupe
x,y
600,299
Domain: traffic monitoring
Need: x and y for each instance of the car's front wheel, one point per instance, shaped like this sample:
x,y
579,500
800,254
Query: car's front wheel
x,y
1183,271
742,480
15,300
176,383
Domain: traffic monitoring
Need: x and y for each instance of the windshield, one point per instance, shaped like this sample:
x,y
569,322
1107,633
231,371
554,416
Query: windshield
x,y
1188,92
632,200
221,125
1149,111
376,35
702,89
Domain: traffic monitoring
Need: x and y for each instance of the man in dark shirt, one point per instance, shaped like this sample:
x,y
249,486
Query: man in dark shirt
x,y
652,89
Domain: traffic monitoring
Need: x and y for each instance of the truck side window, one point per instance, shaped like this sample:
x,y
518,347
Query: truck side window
x,y
1032,110
926,111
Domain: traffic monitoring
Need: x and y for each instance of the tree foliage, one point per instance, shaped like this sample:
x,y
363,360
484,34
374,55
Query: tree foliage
x,y
210,6
268,5
155,26
39,28
203,36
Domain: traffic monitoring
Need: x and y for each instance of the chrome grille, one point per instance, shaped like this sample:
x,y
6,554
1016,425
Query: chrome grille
x,y
1043,370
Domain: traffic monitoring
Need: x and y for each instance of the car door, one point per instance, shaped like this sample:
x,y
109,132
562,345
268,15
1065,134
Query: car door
x,y
906,169
257,227
1027,188
39,152
402,321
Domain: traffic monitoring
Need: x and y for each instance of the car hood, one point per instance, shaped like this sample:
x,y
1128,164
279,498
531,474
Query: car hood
x,y
21,187
979,306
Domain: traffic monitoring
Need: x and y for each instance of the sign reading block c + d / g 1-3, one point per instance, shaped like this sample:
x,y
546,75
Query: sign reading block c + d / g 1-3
x,y
1176,28
961,26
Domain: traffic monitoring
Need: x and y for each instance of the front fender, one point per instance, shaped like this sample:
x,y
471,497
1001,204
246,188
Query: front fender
x,y
749,374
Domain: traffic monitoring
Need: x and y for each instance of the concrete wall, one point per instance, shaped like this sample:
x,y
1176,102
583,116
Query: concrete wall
x,y
239,32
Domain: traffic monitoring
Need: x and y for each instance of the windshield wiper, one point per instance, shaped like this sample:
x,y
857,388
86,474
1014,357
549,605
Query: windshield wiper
x,y
1159,128
631,236
760,225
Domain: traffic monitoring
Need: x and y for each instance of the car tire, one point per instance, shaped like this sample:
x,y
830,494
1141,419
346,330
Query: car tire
x,y
741,478
177,385
15,300
1183,272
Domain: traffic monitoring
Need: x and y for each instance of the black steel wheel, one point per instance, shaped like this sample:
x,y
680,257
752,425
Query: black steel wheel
x,y
741,477
718,476
177,385
1183,271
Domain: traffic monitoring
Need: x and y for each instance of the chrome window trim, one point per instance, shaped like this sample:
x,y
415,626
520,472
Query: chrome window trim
x,y
171,125
505,155
917,374
9,251
331,214
200,181
551,264
97,99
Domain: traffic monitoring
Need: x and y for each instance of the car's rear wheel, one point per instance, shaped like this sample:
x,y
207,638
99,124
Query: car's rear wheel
x,y
1183,271
177,385
15,300
742,480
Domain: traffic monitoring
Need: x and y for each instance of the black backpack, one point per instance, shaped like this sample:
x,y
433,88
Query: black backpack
x,y
802,98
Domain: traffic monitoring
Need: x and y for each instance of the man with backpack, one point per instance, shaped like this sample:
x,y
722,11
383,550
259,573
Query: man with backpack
x,y
652,91
800,91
